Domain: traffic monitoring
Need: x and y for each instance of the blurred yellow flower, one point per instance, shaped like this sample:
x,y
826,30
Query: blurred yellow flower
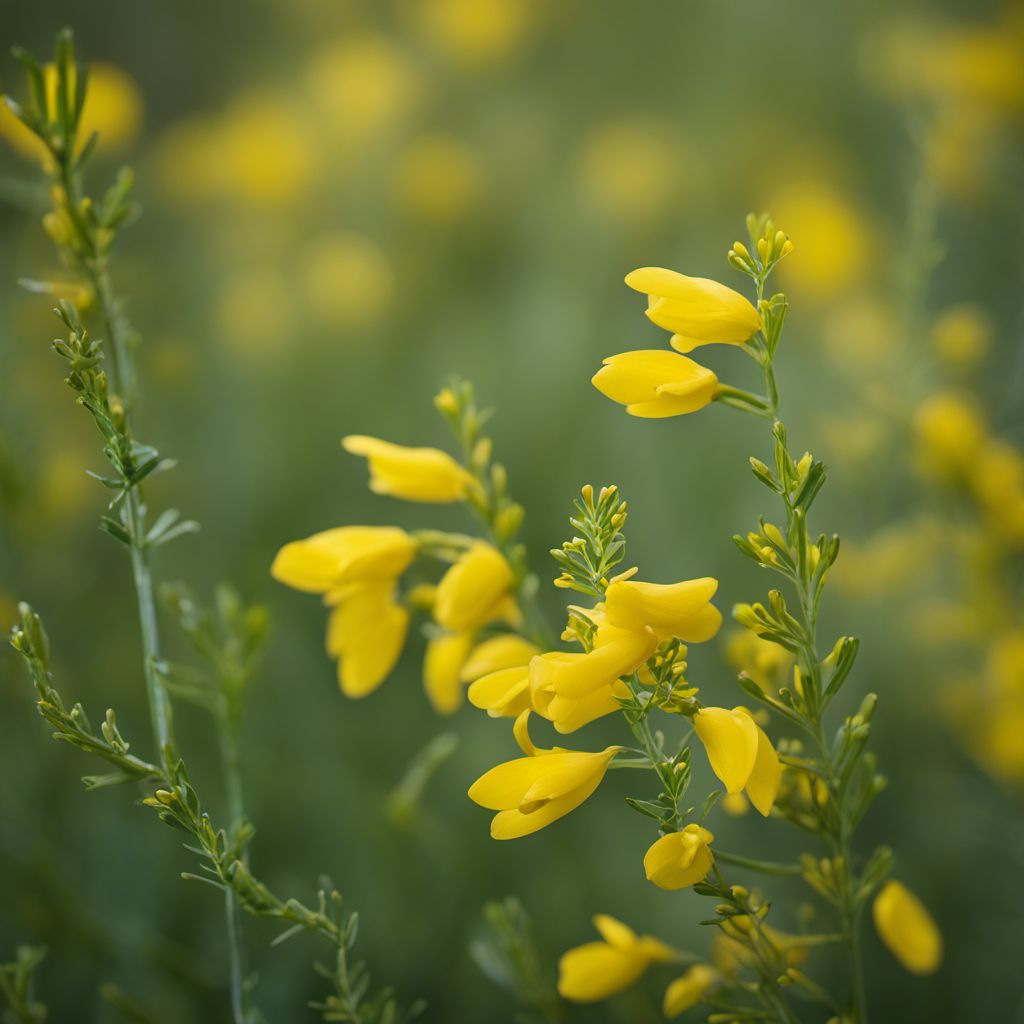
x,y
766,663
113,109
730,953
836,240
362,85
348,279
907,929
347,554
961,336
740,753
688,990
365,633
413,474
438,179
504,651
629,169
531,792
442,670
949,433
680,859
597,970
653,383
475,32
696,310
682,610
254,315
475,590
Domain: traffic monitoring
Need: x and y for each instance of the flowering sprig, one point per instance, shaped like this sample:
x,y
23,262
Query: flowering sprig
x,y
17,986
84,231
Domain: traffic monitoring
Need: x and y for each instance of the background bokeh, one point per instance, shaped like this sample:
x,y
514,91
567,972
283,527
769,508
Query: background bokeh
x,y
346,203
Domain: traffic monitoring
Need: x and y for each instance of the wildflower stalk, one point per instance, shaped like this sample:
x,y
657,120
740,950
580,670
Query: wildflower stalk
x,y
84,232
804,563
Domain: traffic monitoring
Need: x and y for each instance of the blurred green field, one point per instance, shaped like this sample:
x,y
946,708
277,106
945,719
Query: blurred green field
x,y
347,204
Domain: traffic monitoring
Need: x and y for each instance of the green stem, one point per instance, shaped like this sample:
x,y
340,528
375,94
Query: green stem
x,y
763,866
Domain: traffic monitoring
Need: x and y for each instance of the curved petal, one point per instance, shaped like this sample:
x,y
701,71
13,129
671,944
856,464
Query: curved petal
x,y
730,738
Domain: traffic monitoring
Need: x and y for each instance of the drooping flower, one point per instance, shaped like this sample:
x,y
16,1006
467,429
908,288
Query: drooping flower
x,y
688,990
597,970
740,753
545,785
653,384
348,554
415,474
680,859
365,633
697,311
442,670
907,929
682,610
475,590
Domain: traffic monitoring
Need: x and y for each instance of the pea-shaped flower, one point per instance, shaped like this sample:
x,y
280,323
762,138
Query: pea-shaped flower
x,y
680,859
348,554
697,311
531,792
682,610
475,590
688,990
442,670
415,474
365,633
498,673
907,929
652,383
740,753
597,970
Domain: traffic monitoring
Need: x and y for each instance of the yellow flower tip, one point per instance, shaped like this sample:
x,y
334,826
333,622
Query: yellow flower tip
x,y
907,929
741,755
696,310
680,859
476,590
688,990
347,554
504,693
680,610
599,970
413,474
653,384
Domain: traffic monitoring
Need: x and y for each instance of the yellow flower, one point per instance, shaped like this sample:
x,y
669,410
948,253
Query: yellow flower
x,y
653,384
504,651
504,693
442,670
962,335
688,990
597,970
680,610
949,434
499,673
347,554
697,311
475,590
348,279
575,674
680,859
765,662
907,929
545,785
365,632
415,474
741,755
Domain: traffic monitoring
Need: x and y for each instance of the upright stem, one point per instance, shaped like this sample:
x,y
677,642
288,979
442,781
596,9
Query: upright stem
x,y
839,837
159,701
